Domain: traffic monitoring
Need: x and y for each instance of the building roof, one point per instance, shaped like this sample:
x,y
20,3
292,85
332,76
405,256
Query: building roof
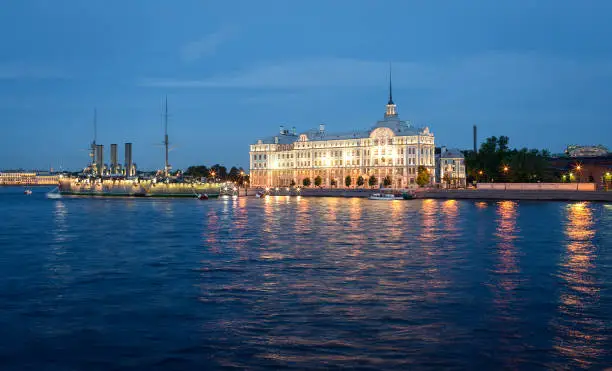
x,y
451,153
399,128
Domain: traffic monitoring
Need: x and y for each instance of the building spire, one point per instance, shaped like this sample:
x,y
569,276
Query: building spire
x,y
391,108
390,87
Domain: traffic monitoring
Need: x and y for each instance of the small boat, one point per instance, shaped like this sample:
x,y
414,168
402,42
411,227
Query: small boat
x,y
27,192
54,194
259,194
202,196
384,197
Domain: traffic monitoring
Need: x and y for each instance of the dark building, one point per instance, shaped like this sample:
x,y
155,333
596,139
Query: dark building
x,y
596,170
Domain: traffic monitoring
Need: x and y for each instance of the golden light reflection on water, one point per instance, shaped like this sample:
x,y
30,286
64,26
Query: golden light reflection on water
x,y
580,337
450,211
211,227
505,281
428,220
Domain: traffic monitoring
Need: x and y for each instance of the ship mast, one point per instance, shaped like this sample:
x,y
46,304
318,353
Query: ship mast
x,y
167,165
93,144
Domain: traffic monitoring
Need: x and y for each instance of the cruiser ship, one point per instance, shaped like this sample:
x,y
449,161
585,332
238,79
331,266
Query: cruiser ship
x,y
135,188
97,180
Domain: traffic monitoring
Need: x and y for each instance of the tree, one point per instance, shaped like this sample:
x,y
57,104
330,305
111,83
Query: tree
x,y
306,182
199,171
318,181
333,183
422,176
360,181
348,181
372,181
525,165
292,184
234,174
387,181
220,171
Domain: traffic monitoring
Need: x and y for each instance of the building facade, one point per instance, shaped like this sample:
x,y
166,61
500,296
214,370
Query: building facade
x,y
450,168
392,148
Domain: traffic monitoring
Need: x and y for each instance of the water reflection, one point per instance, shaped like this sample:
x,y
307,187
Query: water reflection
x,y
57,265
580,336
450,211
505,281
428,220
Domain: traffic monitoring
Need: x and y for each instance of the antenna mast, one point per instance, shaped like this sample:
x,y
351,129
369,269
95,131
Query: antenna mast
x,y
93,144
167,165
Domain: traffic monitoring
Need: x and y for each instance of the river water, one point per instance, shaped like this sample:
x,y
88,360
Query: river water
x,y
303,283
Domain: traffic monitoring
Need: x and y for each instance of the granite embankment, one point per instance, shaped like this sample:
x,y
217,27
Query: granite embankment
x,y
470,194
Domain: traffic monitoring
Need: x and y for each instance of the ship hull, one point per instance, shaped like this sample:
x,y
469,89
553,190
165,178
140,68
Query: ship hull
x,y
129,188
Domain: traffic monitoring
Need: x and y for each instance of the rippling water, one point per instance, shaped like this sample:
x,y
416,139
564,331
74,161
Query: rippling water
x,y
310,283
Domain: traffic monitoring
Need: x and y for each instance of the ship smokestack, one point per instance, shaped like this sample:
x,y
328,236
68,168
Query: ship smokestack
x,y
128,160
99,158
113,159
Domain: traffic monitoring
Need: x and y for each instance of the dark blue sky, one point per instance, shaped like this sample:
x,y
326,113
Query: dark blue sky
x,y
234,71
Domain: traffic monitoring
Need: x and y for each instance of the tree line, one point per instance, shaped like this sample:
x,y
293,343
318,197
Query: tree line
x,y
218,172
496,162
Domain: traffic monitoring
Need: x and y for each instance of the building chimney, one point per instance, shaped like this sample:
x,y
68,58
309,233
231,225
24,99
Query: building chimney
x,y
275,140
475,140
293,130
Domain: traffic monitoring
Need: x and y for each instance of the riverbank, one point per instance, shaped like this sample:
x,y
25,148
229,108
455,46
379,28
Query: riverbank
x,y
470,194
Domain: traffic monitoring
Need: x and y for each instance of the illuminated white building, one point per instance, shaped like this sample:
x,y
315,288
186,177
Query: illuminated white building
x,y
450,168
392,148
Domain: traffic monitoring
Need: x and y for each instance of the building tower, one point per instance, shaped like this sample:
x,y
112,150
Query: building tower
x,y
391,108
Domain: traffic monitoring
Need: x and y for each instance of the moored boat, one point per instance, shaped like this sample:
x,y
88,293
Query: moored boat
x,y
384,197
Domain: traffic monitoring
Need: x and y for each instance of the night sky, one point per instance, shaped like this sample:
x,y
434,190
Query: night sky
x,y
233,71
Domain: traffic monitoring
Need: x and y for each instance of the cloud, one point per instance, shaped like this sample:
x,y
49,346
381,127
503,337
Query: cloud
x,y
207,45
17,71
498,71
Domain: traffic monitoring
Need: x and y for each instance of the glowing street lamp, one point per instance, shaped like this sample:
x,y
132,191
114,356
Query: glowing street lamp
x,y
506,169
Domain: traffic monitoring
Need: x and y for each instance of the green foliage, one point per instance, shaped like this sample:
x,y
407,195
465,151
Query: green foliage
x,y
360,181
348,181
318,181
524,165
306,182
387,181
422,176
372,181
200,171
